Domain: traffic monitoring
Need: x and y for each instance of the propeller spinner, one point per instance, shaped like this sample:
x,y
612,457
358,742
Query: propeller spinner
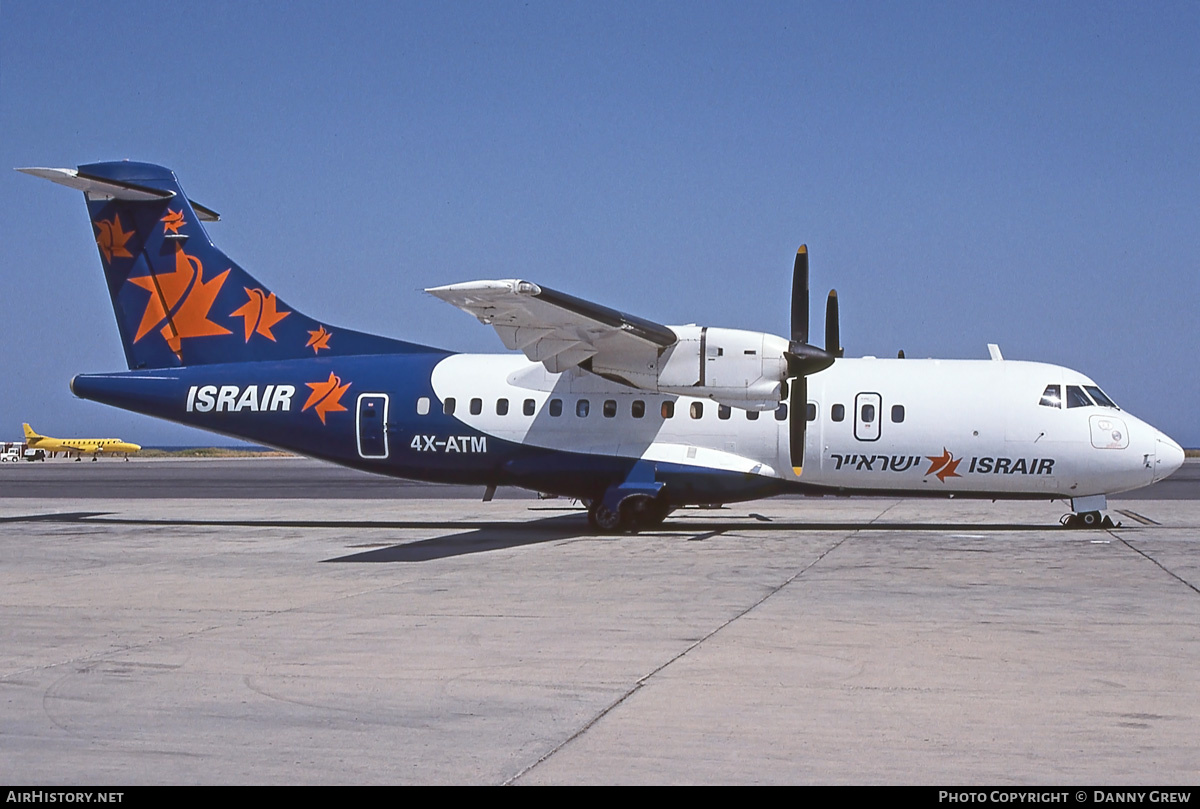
x,y
803,358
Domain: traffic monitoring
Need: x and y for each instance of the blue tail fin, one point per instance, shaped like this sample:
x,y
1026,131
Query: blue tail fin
x,y
179,300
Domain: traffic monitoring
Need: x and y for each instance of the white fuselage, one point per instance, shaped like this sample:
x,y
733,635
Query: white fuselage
x,y
905,426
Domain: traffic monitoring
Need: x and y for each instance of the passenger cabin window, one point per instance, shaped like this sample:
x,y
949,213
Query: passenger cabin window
x,y
1100,397
838,412
810,412
781,413
556,407
476,407
1052,396
897,414
529,407
668,410
697,409
610,408
637,409
582,407
1076,397
448,406
751,415
423,406
723,411
502,407
868,413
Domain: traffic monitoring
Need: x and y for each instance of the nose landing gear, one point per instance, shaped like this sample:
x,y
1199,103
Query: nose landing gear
x,y
1088,519
1089,513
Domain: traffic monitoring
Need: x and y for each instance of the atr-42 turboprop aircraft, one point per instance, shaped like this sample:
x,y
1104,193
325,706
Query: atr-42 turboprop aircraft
x,y
633,417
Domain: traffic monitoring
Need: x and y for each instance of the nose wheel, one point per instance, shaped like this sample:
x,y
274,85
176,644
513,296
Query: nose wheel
x,y
1088,519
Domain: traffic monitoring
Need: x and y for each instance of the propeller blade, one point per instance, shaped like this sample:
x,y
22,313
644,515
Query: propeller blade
x,y
804,359
800,296
833,338
797,421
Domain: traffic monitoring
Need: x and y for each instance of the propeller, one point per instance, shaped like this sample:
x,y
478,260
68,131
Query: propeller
x,y
833,340
804,358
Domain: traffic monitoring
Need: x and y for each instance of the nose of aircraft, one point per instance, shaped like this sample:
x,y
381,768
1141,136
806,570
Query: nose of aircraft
x,y
1168,457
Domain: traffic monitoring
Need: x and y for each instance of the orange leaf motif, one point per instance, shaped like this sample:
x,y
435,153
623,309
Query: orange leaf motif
x,y
327,396
260,313
946,465
111,239
173,221
182,298
318,339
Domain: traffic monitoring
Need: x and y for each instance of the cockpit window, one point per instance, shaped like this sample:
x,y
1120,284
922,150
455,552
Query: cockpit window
x,y
1052,396
1077,398
1100,397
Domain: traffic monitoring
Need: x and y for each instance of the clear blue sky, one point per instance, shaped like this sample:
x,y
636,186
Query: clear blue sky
x,y
963,173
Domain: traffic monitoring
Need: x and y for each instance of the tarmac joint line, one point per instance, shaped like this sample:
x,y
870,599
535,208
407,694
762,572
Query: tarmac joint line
x,y
1142,518
645,679
1159,564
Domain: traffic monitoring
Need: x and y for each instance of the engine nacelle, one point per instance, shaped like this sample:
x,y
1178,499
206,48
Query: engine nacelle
x,y
743,369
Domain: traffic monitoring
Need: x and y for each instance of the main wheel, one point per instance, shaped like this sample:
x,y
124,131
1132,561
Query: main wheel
x,y
643,511
604,518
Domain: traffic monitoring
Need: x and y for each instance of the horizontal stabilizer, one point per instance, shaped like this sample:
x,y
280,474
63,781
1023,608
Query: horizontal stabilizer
x,y
99,188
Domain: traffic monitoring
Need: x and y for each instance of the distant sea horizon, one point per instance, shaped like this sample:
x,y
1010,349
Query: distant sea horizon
x,y
238,445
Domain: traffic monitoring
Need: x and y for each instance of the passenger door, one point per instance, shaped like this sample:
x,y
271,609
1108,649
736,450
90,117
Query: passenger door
x,y
372,425
868,409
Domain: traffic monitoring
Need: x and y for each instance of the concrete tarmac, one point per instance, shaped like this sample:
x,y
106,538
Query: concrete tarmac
x,y
270,638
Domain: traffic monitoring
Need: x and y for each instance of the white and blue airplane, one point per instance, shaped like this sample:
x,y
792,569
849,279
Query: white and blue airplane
x,y
632,417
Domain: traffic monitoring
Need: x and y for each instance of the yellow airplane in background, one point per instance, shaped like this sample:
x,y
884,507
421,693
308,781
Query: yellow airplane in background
x,y
79,446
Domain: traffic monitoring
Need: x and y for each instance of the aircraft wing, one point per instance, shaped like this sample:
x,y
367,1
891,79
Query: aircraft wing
x,y
559,330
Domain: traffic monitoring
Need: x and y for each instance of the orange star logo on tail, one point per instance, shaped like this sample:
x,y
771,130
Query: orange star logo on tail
x,y
260,313
173,221
318,339
183,299
326,396
945,465
111,238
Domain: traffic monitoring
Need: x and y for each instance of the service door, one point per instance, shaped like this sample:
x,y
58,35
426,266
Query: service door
x,y
372,425
867,416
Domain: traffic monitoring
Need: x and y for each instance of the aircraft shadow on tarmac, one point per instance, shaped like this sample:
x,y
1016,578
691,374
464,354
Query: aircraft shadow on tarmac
x,y
482,537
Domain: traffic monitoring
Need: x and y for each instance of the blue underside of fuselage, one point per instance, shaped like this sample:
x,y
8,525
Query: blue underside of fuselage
x,y
319,419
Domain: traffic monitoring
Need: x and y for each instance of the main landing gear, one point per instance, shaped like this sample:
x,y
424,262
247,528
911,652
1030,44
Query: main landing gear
x,y
633,504
635,512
